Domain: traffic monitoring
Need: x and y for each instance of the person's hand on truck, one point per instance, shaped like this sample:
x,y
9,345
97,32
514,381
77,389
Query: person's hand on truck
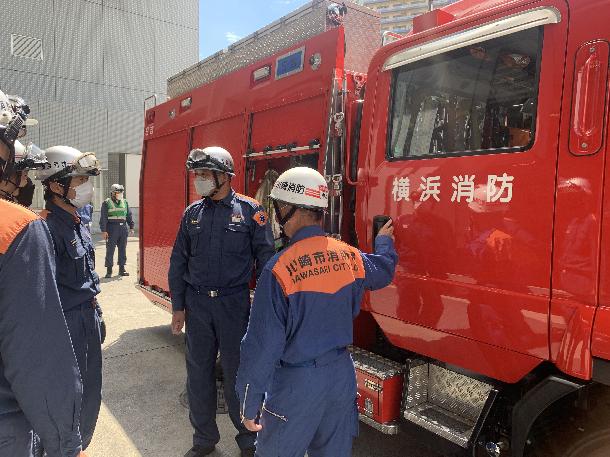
x,y
177,322
387,230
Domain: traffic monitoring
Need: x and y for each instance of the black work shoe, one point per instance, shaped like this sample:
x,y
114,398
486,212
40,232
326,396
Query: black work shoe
x,y
108,272
248,452
200,451
122,272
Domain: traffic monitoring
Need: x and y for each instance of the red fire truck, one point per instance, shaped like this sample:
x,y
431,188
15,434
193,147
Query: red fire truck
x,y
483,133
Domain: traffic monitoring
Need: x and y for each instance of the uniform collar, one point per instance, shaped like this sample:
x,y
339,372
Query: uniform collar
x,y
307,232
63,215
227,201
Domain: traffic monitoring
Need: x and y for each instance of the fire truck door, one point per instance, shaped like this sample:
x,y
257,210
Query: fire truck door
x,y
162,194
465,165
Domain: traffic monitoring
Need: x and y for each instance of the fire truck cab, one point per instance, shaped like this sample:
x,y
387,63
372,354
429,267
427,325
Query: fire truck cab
x,y
483,134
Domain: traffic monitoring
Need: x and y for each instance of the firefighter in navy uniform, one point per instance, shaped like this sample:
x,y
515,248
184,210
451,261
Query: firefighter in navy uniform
x,y
40,384
296,380
219,240
68,187
116,222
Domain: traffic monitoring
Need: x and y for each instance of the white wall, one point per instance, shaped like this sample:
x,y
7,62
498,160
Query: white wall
x,y
132,179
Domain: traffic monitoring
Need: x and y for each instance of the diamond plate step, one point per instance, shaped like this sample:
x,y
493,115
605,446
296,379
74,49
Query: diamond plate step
x,y
444,402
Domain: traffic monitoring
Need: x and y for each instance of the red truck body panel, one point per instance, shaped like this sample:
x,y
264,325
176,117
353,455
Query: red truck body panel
x,y
241,115
493,287
496,315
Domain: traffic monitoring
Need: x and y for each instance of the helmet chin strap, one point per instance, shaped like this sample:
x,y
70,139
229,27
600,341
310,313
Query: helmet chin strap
x,y
216,183
283,220
63,196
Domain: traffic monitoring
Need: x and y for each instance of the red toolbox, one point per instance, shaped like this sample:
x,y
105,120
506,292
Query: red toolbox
x,y
380,387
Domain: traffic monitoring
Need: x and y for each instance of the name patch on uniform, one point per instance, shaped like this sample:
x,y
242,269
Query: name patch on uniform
x,y
260,218
194,221
236,218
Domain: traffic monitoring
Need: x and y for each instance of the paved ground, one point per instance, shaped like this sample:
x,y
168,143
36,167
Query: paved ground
x,y
144,375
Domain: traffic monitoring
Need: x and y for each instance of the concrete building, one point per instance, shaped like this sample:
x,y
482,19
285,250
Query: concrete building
x,y
397,15
86,67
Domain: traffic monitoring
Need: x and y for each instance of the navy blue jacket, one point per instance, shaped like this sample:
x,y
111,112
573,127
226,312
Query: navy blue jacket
x,y
38,370
86,214
304,304
217,243
77,280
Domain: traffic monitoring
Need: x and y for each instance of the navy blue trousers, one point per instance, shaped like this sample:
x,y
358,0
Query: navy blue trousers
x,y
16,436
214,324
84,325
310,409
117,237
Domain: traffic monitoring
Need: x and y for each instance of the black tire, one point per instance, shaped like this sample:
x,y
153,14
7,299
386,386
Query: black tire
x,y
568,432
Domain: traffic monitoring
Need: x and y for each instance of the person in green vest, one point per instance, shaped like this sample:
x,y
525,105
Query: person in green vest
x,y
116,223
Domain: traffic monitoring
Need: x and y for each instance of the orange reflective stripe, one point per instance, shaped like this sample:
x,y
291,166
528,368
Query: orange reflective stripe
x,y
13,219
318,264
250,199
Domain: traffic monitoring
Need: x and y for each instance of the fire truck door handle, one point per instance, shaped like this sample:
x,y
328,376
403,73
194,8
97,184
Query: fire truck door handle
x,y
587,92
589,98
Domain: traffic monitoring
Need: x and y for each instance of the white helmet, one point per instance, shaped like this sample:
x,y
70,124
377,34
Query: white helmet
x,y
302,187
212,158
9,106
30,157
67,162
116,188
6,109
17,103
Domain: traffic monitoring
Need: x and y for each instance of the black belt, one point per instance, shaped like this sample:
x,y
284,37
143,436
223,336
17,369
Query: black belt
x,y
320,361
218,291
117,221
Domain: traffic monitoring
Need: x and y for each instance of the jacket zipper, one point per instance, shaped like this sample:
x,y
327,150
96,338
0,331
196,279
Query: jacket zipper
x,y
274,414
243,406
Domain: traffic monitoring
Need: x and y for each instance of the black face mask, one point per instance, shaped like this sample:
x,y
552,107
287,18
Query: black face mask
x,y
26,194
3,164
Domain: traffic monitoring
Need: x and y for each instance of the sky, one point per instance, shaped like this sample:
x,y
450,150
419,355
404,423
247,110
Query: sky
x,y
222,22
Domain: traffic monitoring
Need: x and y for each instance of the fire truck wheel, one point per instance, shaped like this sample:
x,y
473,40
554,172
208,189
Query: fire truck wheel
x,y
576,435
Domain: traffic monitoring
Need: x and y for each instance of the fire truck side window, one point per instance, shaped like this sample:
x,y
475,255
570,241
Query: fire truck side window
x,y
481,98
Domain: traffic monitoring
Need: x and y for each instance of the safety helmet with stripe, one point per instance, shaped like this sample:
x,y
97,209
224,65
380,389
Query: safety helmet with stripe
x,y
302,187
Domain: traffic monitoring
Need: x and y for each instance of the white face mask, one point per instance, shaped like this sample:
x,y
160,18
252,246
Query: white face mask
x,y
119,196
204,187
84,194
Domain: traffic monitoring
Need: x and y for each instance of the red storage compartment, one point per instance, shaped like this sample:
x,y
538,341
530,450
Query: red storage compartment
x,y
380,387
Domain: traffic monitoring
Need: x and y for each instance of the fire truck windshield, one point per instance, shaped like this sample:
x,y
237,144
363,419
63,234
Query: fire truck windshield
x,y
473,99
